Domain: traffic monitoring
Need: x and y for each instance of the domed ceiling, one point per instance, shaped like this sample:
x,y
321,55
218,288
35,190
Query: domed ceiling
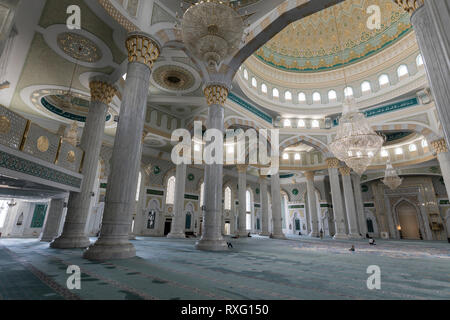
x,y
312,44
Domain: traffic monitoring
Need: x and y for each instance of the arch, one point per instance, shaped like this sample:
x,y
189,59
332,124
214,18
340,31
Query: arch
x,y
319,145
332,95
428,133
170,190
402,71
420,219
301,97
366,87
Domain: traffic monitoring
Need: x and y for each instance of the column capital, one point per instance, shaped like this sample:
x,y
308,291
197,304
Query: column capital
x,y
241,168
410,5
102,91
345,171
439,146
333,163
309,175
141,48
216,94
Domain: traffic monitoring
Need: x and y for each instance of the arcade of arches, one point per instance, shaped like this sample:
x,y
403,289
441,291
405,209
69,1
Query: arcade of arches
x,y
86,123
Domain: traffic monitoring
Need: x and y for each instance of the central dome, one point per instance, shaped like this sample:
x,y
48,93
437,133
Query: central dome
x,y
312,44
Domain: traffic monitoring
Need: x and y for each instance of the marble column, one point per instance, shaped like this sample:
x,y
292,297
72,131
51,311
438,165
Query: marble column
x,y
312,204
212,239
264,199
443,155
179,219
361,217
276,207
430,20
74,235
242,186
113,242
54,219
336,197
349,203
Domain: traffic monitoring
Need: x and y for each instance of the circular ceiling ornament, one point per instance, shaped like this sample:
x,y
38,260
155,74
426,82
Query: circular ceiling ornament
x,y
79,47
174,78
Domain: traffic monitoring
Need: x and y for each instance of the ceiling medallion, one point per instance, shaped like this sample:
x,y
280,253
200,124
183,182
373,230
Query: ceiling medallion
x,y
79,47
391,178
174,78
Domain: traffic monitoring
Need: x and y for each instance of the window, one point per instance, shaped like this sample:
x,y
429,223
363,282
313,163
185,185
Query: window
x,y
402,71
3,211
383,80
288,96
263,88
230,149
398,151
124,77
297,156
384,153
315,124
412,147
254,83
202,195
248,221
316,97
248,203
348,92
370,154
285,156
287,123
227,198
301,97
332,95
301,123
245,74
138,190
424,143
419,60
170,197
366,87
275,93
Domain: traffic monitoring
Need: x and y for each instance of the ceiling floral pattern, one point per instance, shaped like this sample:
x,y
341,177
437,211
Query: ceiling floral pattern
x,y
312,44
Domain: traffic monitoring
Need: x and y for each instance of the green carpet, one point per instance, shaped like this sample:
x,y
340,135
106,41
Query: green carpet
x,y
256,268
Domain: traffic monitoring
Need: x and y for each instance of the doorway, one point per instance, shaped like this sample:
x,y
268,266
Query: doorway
x,y
407,219
167,226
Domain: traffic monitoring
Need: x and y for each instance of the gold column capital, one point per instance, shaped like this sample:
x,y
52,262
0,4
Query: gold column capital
x,y
345,171
439,146
333,163
309,175
216,94
102,91
241,167
143,49
410,5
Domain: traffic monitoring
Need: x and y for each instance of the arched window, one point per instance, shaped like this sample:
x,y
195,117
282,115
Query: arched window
x,y
287,123
412,147
316,97
263,88
288,96
248,201
383,80
332,95
227,198
170,196
384,153
402,71
366,87
245,74
297,156
424,143
202,194
419,60
398,151
138,190
301,97
254,83
275,93
315,124
285,156
3,212
348,92
301,123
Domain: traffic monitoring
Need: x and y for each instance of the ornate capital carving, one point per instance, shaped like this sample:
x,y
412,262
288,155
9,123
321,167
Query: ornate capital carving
x,y
309,175
102,92
241,167
410,5
216,94
333,163
142,49
345,171
439,146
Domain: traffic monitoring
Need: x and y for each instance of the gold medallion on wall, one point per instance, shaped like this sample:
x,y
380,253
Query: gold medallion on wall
x,y
71,156
42,144
5,125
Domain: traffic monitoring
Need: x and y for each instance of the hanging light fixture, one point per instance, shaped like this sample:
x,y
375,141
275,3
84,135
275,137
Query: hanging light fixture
x,y
391,178
356,143
212,30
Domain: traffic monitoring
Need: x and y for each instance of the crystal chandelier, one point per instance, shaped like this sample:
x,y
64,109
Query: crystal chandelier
x,y
356,143
212,30
391,178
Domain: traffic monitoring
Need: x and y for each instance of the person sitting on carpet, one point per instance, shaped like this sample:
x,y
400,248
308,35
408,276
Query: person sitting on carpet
x,y
352,248
372,242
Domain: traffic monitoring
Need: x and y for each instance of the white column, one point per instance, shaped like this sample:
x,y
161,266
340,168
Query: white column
x,y
361,218
349,203
242,186
336,197
74,231
276,207
212,238
53,221
178,221
113,242
312,204
264,206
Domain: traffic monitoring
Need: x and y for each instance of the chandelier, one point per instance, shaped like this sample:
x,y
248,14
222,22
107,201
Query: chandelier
x,y
391,178
212,31
356,143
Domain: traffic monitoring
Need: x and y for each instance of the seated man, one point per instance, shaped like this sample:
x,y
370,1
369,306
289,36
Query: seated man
x,y
372,241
